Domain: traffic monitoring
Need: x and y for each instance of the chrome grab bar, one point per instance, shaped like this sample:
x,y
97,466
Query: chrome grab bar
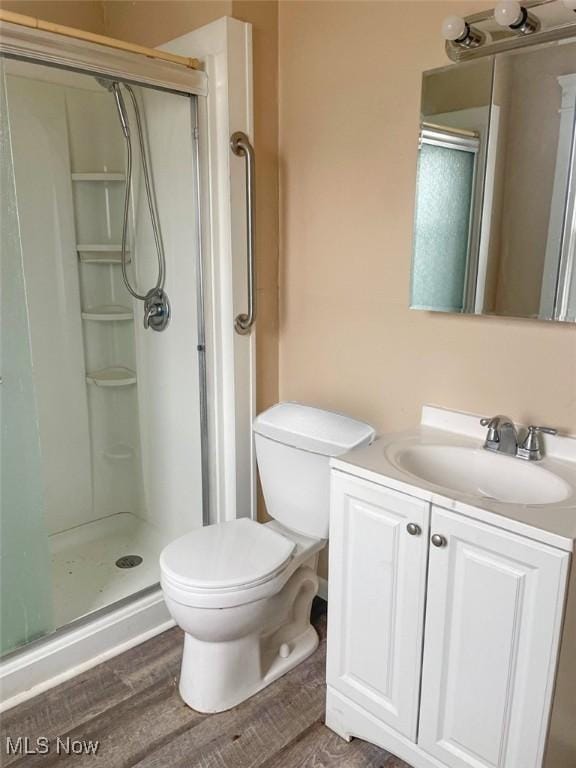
x,y
241,147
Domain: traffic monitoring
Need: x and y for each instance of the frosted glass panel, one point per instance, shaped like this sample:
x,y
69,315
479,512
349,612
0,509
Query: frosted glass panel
x,y
91,400
442,226
25,586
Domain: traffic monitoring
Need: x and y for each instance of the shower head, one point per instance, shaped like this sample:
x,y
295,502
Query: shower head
x,y
105,83
113,86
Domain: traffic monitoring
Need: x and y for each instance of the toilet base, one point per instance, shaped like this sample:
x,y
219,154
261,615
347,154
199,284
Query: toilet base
x,y
216,676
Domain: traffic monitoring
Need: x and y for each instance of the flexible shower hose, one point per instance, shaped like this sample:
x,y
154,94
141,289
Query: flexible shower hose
x,y
154,219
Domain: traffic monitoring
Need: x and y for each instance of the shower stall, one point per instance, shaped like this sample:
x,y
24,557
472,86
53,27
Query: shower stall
x,y
110,432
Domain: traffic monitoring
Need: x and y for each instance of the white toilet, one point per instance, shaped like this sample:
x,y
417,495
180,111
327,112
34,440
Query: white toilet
x,y
242,590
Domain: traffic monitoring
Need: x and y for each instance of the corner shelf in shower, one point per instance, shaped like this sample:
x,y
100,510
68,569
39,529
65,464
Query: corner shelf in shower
x,y
116,376
108,313
100,176
100,253
119,452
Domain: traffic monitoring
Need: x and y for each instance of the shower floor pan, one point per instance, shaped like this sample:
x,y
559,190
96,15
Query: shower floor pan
x,y
85,576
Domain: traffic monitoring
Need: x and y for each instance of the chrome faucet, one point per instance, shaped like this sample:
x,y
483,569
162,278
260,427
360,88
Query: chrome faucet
x,y
502,437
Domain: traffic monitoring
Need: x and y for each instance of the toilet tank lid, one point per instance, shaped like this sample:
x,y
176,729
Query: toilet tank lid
x,y
313,429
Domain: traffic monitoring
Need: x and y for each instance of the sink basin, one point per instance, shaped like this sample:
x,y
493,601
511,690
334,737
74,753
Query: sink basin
x,y
477,472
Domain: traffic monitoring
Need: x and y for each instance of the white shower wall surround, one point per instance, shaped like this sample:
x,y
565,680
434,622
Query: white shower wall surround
x,y
167,363
66,137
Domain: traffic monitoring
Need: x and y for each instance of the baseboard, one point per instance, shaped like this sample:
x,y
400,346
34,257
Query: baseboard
x,y
68,653
323,588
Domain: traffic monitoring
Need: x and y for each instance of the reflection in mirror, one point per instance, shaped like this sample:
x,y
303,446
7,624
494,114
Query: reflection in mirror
x,y
451,161
533,123
497,234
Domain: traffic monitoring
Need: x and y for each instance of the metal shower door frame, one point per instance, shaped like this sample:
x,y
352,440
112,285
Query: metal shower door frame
x,y
52,49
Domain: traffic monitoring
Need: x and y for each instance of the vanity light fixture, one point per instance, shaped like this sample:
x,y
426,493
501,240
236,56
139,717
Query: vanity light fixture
x,y
458,31
511,14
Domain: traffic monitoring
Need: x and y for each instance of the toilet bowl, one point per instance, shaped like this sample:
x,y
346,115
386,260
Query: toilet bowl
x,y
242,590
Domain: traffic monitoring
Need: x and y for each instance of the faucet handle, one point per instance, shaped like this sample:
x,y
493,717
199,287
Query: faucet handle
x,y
156,309
531,440
545,430
531,447
493,435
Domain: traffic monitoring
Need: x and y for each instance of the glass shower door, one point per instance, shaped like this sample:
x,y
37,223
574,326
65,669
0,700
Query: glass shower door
x,y
101,419
26,595
442,223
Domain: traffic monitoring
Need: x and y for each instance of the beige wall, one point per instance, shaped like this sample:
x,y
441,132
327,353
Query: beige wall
x,y
153,22
349,103
84,14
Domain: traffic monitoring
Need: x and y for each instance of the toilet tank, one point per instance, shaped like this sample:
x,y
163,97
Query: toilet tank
x,y
294,444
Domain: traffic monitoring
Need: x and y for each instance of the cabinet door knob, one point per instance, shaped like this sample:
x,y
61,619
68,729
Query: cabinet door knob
x,y
438,540
413,529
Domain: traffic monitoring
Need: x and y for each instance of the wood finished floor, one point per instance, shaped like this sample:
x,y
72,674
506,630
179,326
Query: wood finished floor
x,y
131,705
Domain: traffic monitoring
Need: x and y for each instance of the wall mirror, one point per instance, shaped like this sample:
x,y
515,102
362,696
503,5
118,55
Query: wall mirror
x,y
495,214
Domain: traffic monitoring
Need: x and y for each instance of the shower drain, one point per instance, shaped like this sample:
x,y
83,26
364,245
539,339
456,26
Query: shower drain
x,y
128,561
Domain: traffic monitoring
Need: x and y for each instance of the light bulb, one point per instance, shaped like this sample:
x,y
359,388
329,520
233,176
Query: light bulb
x,y
454,28
570,4
508,13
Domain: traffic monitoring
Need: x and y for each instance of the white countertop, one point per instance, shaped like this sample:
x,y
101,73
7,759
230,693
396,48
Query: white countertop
x,y
553,524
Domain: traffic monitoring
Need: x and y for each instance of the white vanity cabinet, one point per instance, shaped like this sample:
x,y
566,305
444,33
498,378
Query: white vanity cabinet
x,y
493,612
445,654
377,592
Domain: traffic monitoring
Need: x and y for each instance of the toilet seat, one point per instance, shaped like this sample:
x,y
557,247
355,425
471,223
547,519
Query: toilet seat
x,y
224,558
194,573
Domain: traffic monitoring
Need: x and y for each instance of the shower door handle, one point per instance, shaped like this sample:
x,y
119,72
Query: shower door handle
x,y
240,146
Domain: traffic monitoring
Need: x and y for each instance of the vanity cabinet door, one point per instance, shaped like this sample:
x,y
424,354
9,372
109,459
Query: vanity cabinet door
x,y
493,620
376,598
